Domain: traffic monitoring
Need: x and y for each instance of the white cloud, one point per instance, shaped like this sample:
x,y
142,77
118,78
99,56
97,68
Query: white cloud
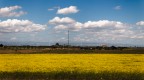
x,y
11,11
71,24
58,20
74,27
15,25
65,23
77,25
68,10
103,23
137,37
60,27
117,7
141,23
13,38
51,9
102,29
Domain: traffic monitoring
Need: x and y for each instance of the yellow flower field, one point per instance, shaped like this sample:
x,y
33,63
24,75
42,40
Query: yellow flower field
x,y
72,62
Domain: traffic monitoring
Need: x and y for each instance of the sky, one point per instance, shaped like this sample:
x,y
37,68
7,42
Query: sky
x,y
88,21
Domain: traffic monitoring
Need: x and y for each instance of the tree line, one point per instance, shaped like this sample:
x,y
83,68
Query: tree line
x,y
58,46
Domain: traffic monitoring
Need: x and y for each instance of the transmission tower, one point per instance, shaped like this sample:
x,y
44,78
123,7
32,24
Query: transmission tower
x,y
68,37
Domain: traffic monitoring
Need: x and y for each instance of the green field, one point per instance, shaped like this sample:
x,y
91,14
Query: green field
x,y
72,66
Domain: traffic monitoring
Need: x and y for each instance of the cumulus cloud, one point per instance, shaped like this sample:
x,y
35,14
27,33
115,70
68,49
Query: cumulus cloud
x,y
109,29
139,30
71,24
68,10
60,27
103,23
115,30
103,29
65,23
117,7
58,20
73,27
99,30
141,23
15,25
11,11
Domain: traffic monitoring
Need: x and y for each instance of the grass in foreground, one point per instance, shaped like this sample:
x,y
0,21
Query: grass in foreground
x,y
72,66
71,76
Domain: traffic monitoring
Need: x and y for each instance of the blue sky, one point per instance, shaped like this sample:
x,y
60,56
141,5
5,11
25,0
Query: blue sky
x,y
89,21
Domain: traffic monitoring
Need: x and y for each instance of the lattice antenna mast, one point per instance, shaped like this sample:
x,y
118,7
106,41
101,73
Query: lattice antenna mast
x,y
68,37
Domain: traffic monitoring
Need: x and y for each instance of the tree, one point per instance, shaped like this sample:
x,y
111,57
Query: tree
x,y
1,45
57,44
113,47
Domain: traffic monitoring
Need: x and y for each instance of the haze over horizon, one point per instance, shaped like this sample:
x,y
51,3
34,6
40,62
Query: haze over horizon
x,y
89,21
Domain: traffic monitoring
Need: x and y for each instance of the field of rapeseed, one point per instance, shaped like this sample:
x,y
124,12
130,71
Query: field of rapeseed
x,y
131,65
